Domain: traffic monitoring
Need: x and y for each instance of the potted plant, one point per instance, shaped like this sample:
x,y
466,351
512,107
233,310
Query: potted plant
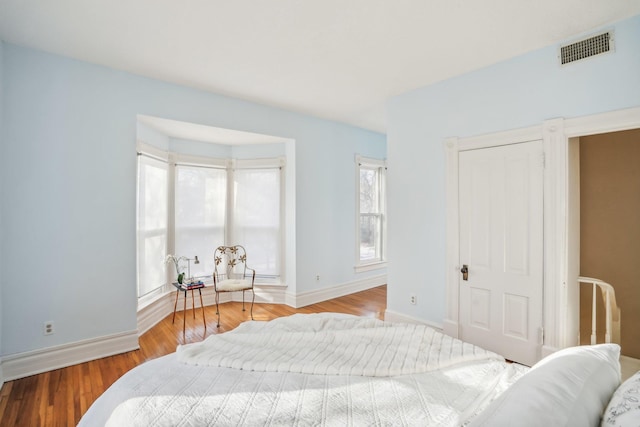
x,y
179,268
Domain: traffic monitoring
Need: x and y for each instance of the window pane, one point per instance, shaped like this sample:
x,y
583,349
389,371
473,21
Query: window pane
x,y
256,220
369,238
153,275
152,224
369,191
200,206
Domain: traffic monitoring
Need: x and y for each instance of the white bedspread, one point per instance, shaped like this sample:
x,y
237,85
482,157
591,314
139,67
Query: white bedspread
x,y
322,344
167,392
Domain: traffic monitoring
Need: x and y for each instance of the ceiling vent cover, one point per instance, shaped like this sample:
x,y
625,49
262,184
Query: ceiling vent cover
x,y
595,45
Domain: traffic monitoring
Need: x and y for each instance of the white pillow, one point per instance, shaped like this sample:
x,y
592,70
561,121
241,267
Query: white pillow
x,y
568,388
624,407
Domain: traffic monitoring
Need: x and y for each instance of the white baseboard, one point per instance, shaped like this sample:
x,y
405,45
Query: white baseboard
x,y
394,316
628,366
311,297
154,312
35,362
547,350
22,365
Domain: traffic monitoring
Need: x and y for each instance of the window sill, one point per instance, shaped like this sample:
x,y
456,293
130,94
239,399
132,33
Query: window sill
x,y
270,284
154,296
371,266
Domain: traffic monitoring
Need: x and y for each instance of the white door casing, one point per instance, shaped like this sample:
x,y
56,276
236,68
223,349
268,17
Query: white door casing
x,y
501,243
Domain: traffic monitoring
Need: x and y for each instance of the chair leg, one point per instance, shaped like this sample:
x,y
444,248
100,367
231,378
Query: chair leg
x,y
218,309
202,306
252,301
243,300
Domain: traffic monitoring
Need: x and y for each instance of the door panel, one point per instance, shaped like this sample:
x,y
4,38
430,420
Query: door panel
x,y
501,214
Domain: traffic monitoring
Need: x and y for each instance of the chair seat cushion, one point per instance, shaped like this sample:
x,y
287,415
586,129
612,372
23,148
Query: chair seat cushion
x,y
230,285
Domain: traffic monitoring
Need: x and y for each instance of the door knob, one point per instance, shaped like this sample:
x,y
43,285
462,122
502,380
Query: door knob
x,y
465,272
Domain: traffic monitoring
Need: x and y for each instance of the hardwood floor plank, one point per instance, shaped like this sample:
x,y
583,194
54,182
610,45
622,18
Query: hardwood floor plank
x,y
60,397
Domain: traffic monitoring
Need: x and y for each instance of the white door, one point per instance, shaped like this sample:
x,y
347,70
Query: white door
x,y
501,245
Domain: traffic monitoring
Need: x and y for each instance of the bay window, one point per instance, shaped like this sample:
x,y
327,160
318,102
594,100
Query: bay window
x,y
188,206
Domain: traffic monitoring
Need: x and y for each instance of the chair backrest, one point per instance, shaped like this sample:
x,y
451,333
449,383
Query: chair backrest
x,y
230,261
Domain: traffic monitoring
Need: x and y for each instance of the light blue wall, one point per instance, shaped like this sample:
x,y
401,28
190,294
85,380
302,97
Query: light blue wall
x,y
2,156
69,228
517,93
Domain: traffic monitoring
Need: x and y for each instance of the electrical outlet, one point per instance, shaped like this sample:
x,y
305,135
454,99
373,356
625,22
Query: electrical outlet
x,y
317,277
413,299
48,327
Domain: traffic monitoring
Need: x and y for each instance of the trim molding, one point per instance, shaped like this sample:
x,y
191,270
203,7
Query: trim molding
x,y
532,133
311,297
22,365
450,328
547,350
154,312
610,121
394,316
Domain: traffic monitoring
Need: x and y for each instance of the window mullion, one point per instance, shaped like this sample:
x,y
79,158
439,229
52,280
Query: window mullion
x,y
231,202
171,210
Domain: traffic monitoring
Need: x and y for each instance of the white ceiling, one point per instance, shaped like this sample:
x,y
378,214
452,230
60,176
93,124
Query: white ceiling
x,y
335,59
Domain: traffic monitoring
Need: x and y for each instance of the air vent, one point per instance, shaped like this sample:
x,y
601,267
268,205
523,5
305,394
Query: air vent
x,y
596,45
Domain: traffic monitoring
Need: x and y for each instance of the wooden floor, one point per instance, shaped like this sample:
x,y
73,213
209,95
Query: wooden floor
x,y
61,397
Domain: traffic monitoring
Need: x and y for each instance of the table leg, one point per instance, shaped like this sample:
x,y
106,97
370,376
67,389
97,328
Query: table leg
x,y
175,306
184,315
193,304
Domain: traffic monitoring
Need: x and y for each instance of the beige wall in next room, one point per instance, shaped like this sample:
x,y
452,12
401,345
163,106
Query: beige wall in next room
x,y
610,228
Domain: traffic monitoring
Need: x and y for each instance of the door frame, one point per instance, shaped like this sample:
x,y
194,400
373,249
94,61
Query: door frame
x,y
561,240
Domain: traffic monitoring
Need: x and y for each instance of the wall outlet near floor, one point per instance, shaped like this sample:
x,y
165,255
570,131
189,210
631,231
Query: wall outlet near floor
x,y
48,327
413,299
317,277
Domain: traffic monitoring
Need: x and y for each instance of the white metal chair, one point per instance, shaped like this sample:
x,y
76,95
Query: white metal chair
x,y
231,274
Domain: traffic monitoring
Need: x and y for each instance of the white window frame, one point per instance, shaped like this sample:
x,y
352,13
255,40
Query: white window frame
x,y
182,160
381,166
265,163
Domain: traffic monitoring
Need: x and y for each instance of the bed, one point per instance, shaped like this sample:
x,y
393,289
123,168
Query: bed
x,y
336,369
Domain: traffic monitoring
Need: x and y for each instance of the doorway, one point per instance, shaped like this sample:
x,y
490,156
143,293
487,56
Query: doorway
x,y
609,178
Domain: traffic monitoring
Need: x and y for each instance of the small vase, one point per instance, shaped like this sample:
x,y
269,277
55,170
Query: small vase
x,y
180,278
